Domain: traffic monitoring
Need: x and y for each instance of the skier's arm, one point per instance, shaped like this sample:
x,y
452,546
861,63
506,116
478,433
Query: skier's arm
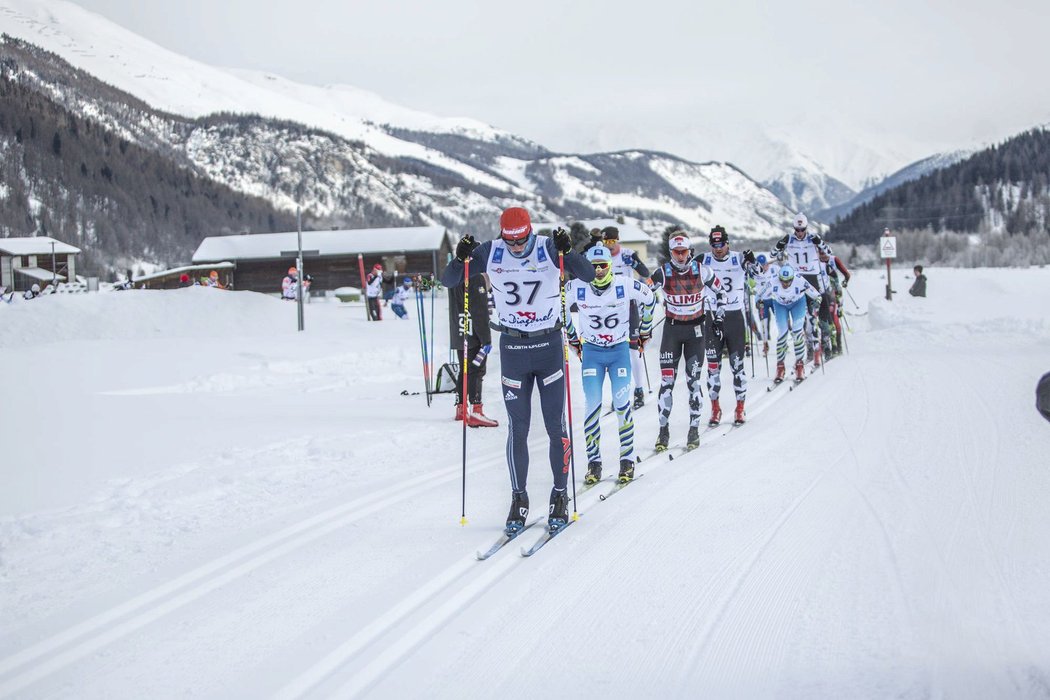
x,y
639,266
712,282
453,273
811,291
820,244
647,303
842,268
575,263
776,250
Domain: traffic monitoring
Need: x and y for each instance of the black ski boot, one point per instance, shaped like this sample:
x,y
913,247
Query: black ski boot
x,y
639,398
594,473
559,510
692,440
626,470
519,512
663,439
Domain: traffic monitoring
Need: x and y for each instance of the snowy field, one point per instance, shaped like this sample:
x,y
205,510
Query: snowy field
x,y
195,499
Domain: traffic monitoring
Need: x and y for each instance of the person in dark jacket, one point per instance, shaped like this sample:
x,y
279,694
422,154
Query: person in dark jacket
x,y
918,287
479,344
1042,396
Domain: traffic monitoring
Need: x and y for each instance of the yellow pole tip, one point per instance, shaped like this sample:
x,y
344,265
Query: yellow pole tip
x,y
463,521
575,516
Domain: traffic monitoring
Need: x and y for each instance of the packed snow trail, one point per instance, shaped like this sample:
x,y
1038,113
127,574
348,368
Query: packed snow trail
x,y
878,531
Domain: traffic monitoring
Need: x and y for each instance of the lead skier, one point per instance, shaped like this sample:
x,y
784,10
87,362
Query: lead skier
x,y
522,267
605,311
803,250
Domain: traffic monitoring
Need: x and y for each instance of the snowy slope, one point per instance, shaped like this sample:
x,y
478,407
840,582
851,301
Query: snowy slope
x,y
196,499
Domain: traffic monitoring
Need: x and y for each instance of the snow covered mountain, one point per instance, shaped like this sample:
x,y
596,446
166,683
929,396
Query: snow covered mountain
x,y
347,156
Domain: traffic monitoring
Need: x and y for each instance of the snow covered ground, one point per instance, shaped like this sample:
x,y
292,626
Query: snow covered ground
x,y
197,499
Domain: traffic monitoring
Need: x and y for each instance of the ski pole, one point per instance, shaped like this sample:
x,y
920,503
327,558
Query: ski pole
x,y
422,343
852,299
430,356
463,368
568,393
645,366
820,345
750,330
428,367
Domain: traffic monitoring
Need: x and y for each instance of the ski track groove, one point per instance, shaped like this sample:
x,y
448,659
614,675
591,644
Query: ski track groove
x,y
44,658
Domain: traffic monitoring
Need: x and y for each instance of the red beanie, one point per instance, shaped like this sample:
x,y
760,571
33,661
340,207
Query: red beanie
x,y
184,277
515,223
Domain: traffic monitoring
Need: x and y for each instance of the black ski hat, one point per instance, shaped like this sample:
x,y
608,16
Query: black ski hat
x,y
611,233
718,235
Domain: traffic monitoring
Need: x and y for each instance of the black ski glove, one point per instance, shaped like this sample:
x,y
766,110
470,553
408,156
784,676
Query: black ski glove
x,y
644,338
845,283
749,257
716,330
562,241
577,347
465,247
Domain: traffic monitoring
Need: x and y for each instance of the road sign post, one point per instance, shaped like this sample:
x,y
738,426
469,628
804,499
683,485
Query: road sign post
x,y
888,251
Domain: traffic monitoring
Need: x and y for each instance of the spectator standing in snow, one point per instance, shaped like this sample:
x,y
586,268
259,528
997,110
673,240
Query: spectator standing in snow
x,y
479,345
184,280
918,287
290,285
374,290
213,280
32,293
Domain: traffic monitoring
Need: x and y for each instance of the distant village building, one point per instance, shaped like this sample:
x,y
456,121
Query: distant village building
x,y
262,260
36,260
630,235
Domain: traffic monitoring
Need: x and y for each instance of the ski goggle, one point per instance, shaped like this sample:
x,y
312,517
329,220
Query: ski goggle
x,y
679,252
718,244
600,266
516,242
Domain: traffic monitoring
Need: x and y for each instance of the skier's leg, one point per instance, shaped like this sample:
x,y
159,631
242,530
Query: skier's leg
x,y
476,373
548,362
620,379
593,371
781,312
735,341
517,381
670,351
798,316
714,363
694,356
636,364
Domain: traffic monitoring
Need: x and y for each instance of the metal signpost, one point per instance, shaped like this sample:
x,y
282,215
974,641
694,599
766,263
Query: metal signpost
x,y
888,251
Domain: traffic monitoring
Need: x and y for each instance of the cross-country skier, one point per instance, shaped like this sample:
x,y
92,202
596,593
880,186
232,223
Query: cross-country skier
x,y
789,296
479,345
373,291
732,269
803,250
684,280
397,302
604,331
764,279
625,264
836,278
523,269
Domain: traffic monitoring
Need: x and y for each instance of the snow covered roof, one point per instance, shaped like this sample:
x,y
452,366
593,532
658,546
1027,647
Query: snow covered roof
x,y
39,273
260,246
35,245
629,233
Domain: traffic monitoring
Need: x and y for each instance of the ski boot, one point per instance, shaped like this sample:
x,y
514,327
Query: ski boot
x,y
461,412
626,470
594,473
800,371
716,414
519,513
477,418
559,510
781,371
663,439
692,440
738,418
639,398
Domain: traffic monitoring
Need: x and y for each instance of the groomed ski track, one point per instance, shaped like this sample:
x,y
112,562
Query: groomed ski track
x,y
874,532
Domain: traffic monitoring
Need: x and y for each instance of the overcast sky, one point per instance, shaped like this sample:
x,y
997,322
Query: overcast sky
x,y
666,74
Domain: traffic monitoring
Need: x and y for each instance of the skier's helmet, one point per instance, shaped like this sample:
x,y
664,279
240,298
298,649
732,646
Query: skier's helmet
x,y
718,237
378,267
801,224
35,288
407,282
786,274
601,258
679,241
515,228
762,259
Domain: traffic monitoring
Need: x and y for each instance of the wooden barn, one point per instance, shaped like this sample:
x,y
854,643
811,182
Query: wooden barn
x,y
262,260
36,260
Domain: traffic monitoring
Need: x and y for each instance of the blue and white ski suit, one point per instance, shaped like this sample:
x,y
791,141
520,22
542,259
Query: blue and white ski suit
x,y
789,306
605,329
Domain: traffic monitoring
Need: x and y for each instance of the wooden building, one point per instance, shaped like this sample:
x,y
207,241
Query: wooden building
x,y
330,258
36,260
196,274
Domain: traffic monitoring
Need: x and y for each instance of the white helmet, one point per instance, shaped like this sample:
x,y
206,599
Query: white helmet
x,y
801,222
35,289
679,241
